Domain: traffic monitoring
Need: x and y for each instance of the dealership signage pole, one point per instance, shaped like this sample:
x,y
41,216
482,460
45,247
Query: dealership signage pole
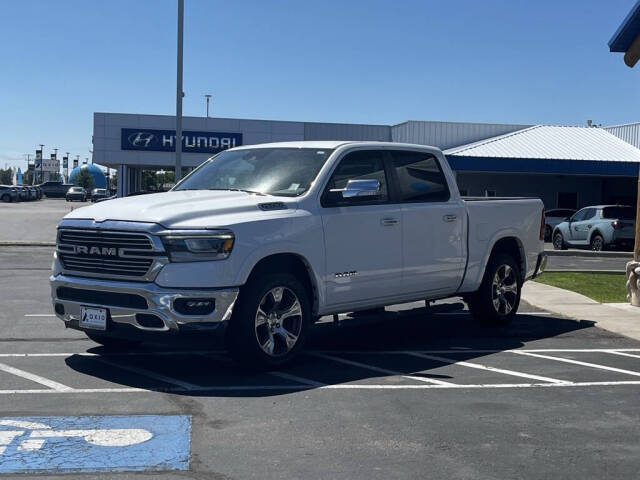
x,y
179,94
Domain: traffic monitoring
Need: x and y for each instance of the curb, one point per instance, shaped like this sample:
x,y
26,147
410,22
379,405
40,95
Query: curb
x,y
578,270
27,244
588,253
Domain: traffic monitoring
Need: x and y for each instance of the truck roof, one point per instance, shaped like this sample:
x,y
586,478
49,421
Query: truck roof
x,y
331,144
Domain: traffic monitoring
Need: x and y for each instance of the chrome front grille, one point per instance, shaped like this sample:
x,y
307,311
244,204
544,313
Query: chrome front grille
x,y
109,253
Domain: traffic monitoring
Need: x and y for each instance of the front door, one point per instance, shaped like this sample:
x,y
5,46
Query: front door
x,y
362,235
581,224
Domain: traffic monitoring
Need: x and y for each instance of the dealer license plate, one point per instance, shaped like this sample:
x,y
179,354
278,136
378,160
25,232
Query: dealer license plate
x,y
95,318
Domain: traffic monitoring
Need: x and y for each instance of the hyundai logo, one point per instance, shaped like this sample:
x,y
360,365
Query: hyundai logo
x,y
141,139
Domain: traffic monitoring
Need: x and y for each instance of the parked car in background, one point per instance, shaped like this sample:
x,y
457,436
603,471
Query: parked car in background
x,y
99,193
55,189
599,227
554,217
33,193
39,190
76,193
23,192
8,194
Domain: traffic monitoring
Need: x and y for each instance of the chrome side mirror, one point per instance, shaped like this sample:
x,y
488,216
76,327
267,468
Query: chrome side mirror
x,y
359,188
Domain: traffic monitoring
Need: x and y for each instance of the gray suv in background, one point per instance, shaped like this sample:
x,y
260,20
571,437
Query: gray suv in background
x,y
598,227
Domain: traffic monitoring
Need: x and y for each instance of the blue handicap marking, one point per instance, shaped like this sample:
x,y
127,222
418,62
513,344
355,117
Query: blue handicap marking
x,y
94,443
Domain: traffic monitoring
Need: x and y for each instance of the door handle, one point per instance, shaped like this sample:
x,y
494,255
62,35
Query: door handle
x,y
450,218
389,222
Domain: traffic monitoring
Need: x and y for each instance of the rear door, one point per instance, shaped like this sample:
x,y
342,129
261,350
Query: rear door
x,y
432,224
362,235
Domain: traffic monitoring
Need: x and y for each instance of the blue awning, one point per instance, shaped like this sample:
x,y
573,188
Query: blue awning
x,y
627,31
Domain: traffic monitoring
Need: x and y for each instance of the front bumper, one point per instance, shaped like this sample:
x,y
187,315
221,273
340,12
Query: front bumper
x,y
118,297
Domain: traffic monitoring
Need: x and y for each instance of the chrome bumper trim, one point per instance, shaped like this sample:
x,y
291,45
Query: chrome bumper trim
x,y
159,300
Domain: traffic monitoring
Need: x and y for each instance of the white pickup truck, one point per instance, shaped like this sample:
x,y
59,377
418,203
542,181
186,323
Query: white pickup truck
x,y
265,239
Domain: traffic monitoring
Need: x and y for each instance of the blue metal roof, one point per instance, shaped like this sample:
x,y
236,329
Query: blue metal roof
x,y
627,31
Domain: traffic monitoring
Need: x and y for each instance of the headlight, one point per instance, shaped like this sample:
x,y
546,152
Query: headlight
x,y
198,246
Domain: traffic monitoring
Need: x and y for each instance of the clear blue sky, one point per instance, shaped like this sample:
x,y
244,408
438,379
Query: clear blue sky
x,y
371,61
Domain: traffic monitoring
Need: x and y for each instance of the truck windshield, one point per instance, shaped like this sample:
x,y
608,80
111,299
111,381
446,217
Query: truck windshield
x,y
272,171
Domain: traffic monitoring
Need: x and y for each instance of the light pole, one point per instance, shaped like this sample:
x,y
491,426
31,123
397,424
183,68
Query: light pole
x,y
207,96
179,93
41,162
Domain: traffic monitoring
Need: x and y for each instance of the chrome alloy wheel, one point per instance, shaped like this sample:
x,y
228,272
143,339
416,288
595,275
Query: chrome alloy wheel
x,y
278,321
504,289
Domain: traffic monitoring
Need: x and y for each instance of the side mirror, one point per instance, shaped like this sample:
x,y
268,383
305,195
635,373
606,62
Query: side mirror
x,y
359,188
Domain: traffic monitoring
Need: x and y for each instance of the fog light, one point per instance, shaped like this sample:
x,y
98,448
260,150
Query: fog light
x,y
59,308
194,306
148,320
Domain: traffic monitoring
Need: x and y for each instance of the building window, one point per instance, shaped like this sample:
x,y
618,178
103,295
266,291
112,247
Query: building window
x,y
489,193
568,200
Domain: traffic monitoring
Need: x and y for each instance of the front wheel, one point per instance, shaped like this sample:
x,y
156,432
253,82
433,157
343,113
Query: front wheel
x,y
558,242
6,198
498,298
269,322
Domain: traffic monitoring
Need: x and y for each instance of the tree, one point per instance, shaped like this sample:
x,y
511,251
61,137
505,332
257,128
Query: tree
x,y
6,176
84,179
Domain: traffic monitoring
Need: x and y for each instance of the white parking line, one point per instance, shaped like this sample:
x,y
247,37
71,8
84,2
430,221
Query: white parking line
x,y
381,370
576,362
485,367
58,387
624,354
147,373
347,386
287,376
40,315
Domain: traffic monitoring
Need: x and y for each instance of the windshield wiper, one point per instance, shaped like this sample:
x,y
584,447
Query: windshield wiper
x,y
240,190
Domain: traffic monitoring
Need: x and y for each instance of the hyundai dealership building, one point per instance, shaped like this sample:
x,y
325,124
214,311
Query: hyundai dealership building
x,y
568,167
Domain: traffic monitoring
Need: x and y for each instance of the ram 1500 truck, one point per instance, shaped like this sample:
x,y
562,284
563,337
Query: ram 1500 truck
x,y
265,239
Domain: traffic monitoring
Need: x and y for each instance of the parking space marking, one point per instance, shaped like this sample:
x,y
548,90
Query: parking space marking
x,y
40,315
59,387
624,354
114,443
381,370
286,376
156,376
577,362
485,367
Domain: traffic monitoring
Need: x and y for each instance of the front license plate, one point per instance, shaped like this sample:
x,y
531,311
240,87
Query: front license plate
x,y
95,318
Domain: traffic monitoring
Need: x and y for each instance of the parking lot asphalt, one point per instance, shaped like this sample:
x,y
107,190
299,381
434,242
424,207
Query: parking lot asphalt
x,y
413,393
34,221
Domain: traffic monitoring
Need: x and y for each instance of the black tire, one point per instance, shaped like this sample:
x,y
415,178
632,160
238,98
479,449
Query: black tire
x,y
558,241
6,198
113,343
597,243
248,341
547,233
495,303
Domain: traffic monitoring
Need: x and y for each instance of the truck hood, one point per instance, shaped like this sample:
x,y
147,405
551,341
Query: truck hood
x,y
186,209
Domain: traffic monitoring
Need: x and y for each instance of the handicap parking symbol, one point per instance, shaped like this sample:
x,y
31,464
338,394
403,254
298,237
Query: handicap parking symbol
x,y
94,443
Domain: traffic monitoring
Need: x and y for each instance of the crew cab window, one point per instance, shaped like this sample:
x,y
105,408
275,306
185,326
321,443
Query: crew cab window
x,y
358,165
420,178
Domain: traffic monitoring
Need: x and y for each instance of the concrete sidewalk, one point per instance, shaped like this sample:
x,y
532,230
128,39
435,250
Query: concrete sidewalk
x,y
619,318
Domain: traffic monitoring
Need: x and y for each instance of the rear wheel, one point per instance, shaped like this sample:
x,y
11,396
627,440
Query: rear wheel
x,y
547,233
112,343
597,243
498,298
558,242
269,322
